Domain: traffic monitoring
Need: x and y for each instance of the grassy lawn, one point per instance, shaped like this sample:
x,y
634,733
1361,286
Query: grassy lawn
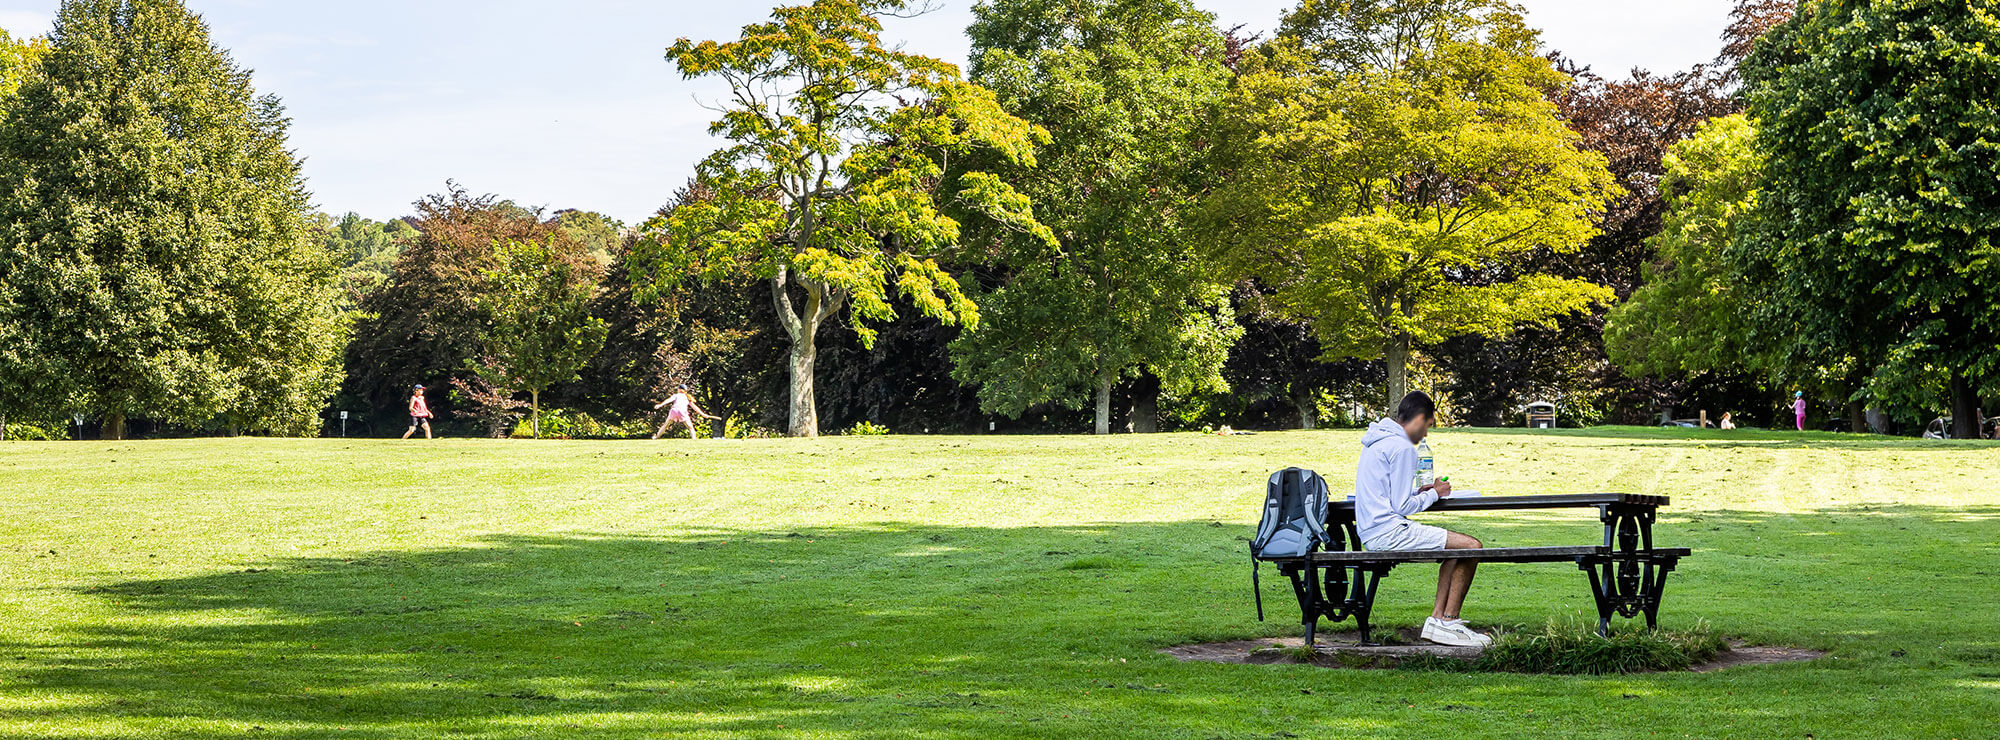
x,y
930,587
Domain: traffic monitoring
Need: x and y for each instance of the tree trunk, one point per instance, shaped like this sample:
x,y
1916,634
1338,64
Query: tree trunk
x,y
1878,421
1857,417
114,425
3,427
1308,411
1146,404
1964,407
1397,356
803,328
1103,406
805,410
535,414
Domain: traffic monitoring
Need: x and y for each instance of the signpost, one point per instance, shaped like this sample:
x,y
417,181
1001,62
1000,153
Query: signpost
x,y
343,423
79,426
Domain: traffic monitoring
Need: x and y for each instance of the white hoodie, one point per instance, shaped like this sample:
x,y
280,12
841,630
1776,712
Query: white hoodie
x,y
1385,482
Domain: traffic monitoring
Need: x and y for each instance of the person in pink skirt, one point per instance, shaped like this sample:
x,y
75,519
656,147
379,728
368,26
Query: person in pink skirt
x,y
681,410
1799,408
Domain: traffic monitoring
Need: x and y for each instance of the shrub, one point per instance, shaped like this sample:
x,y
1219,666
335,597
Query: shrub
x,y
866,429
37,432
568,424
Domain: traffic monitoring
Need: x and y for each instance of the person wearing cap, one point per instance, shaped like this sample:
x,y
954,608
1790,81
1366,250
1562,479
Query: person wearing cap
x,y
420,414
1799,408
679,413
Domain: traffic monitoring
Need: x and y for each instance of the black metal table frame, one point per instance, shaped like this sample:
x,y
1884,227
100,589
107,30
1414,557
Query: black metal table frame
x,y
1627,576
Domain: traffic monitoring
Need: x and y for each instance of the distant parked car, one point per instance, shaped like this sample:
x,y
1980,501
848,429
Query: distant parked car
x,y
1940,428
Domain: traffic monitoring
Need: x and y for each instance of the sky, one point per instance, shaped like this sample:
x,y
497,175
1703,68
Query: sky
x,y
573,105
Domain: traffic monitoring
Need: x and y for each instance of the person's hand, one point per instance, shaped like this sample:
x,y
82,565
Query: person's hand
x,y
1443,488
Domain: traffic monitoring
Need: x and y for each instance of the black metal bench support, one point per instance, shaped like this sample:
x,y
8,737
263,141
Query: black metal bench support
x,y
1628,584
1352,588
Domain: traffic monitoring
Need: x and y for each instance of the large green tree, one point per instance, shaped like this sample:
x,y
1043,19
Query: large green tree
x,y
1691,316
425,325
366,250
1123,87
1389,168
830,188
541,331
157,256
18,59
1878,203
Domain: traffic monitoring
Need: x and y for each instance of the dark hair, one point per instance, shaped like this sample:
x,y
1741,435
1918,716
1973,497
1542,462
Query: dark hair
x,y
683,386
1415,405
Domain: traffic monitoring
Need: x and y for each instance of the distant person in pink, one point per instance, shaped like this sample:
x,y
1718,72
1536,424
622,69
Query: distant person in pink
x,y
1799,408
420,414
681,409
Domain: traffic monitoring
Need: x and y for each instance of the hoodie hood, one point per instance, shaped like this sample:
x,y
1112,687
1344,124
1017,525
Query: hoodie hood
x,y
1381,430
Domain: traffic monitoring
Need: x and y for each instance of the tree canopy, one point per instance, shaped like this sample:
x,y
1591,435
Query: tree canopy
x,y
1124,87
1878,204
830,188
1691,316
1390,194
157,256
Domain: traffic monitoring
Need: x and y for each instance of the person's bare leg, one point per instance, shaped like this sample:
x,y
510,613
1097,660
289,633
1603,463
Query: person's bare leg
x,y
1453,598
427,430
409,431
1446,572
662,431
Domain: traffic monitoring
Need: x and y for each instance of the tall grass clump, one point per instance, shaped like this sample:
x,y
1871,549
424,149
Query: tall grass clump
x,y
1572,646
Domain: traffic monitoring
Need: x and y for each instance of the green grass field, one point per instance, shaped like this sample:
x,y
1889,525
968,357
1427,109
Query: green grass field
x,y
934,587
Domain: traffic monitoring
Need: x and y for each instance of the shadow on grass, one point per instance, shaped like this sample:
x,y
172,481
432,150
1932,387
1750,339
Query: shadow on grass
x,y
884,631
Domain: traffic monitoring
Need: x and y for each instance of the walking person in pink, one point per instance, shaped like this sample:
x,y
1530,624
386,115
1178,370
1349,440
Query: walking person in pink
x,y
420,414
681,406
1799,408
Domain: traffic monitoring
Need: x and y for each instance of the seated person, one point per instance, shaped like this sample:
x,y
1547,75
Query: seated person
x,y
1386,494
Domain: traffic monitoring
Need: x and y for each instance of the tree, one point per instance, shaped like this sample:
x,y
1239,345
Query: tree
x,y
1878,204
18,59
830,189
425,325
541,331
603,236
367,252
1123,87
1389,168
157,256
1632,122
1691,316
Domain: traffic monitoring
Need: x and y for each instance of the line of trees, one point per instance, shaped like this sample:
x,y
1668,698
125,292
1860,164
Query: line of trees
x,y
1120,216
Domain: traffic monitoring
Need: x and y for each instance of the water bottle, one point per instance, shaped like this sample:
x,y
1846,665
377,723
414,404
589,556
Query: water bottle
x,y
1426,465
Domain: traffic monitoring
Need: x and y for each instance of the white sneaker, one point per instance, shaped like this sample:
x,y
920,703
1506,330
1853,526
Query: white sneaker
x,y
1483,637
1453,633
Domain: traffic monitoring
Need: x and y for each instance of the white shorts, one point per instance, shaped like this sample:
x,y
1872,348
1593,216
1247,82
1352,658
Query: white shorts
x,y
1408,536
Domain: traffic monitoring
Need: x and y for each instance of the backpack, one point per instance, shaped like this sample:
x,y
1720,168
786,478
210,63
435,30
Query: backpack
x,y
1294,523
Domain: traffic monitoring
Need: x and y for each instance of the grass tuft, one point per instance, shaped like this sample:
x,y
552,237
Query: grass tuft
x,y
1571,646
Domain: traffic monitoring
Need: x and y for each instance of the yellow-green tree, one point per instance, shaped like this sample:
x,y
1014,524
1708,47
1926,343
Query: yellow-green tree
x,y
1692,315
1385,167
831,187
